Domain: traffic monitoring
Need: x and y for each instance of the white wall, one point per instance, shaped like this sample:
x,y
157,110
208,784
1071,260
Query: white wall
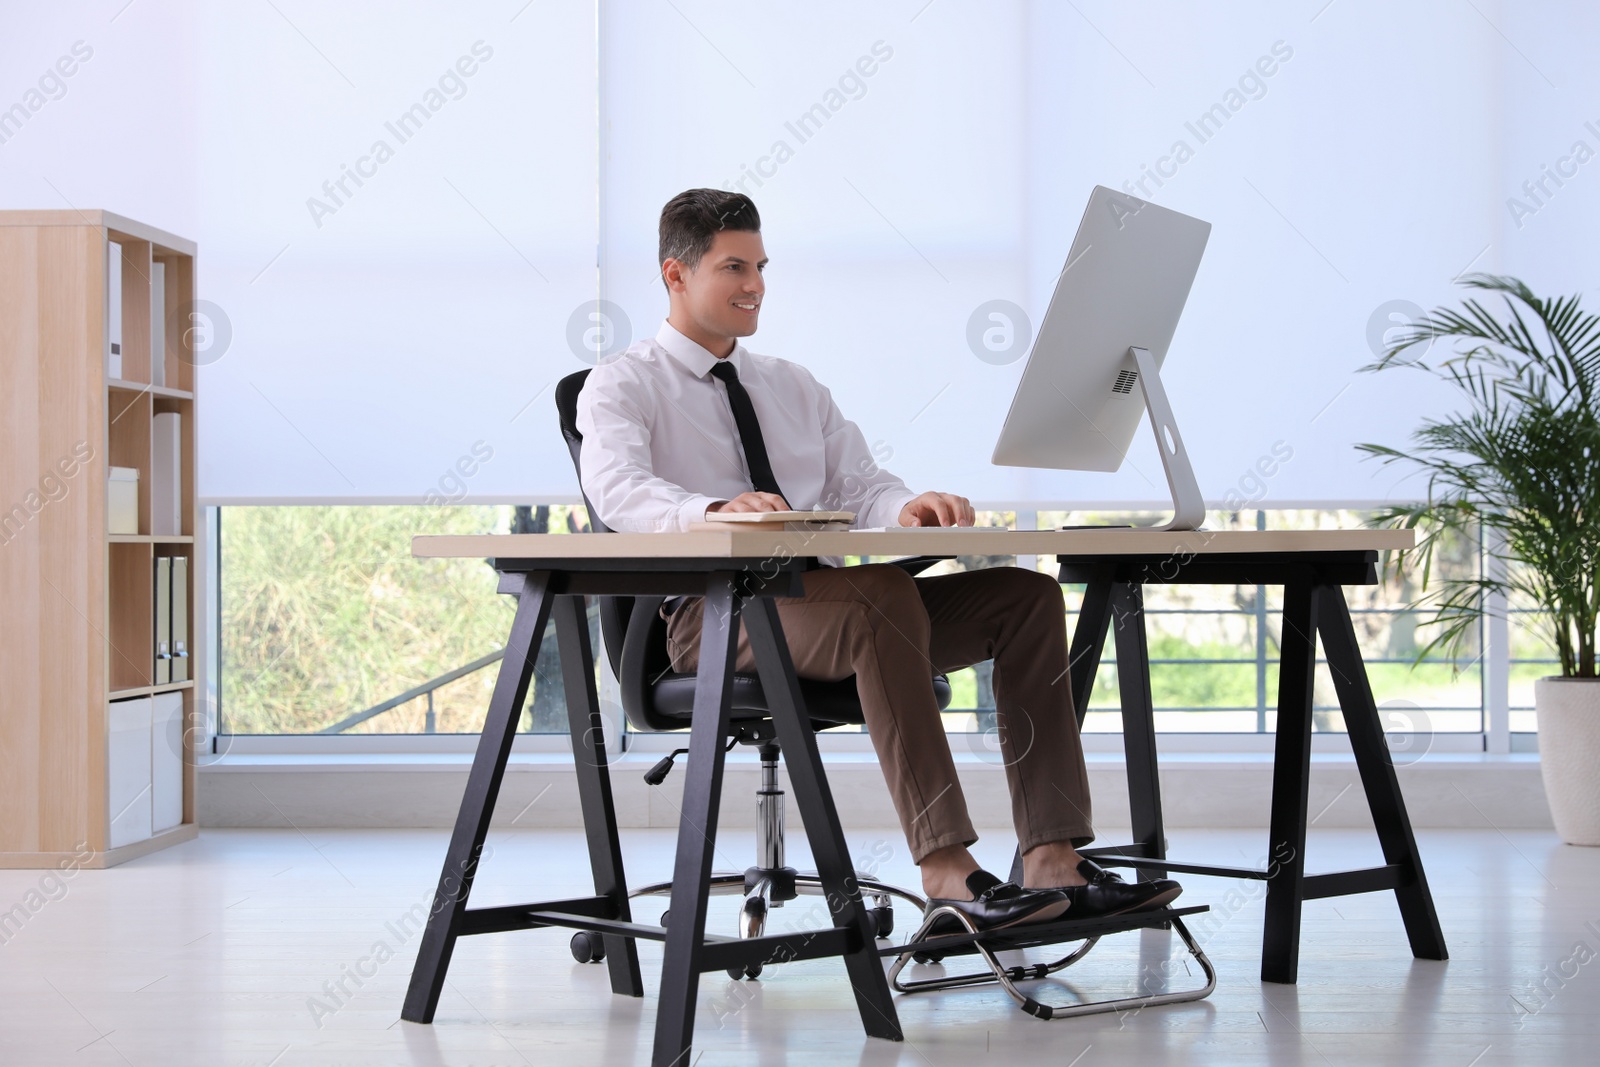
x,y
371,351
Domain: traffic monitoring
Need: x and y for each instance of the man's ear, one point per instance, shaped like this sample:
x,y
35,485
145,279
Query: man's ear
x,y
673,272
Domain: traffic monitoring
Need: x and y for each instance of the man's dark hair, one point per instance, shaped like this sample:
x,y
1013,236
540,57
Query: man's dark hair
x,y
693,218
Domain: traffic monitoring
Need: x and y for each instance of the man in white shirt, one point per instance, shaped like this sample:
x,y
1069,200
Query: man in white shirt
x,y
691,422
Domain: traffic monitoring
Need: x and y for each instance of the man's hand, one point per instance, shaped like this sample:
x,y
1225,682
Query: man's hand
x,y
752,502
938,509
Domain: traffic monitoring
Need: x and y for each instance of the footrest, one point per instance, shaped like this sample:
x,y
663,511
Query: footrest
x,y
1031,935
920,947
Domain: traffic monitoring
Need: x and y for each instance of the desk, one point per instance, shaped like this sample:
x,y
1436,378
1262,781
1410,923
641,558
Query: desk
x,y
551,573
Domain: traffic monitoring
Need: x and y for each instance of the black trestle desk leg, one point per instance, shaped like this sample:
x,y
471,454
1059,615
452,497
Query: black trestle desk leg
x,y
477,804
815,800
1378,778
697,824
1088,640
594,785
1291,771
1138,723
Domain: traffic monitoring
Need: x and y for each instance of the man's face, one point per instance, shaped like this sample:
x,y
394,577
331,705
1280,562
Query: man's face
x,y
723,295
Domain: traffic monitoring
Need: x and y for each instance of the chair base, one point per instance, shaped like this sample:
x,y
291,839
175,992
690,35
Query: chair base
x,y
766,888
806,883
771,883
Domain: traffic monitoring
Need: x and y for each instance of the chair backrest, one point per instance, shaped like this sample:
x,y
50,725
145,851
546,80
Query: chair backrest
x,y
616,612
567,390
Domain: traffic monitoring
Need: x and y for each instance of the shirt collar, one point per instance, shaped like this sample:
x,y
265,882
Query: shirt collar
x,y
693,356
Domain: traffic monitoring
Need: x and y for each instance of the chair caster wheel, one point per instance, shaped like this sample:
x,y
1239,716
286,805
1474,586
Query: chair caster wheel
x,y
752,923
664,916
928,957
588,947
884,918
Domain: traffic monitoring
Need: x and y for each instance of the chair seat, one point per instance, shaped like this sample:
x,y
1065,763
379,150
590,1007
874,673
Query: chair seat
x,y
826,702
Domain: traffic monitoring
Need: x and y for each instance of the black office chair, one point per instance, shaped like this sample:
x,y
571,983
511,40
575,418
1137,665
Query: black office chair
x,y
655,698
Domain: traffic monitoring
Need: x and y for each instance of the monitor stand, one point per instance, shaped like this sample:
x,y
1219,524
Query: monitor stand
x,y
1188,506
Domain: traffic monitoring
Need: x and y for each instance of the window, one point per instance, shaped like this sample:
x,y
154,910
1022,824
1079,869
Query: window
x,y
1532,655
328,624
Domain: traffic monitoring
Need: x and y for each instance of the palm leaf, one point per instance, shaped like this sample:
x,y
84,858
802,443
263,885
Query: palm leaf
x,y
1522,460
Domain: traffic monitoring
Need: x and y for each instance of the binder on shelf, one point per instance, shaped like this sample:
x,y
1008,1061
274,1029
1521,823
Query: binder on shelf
x,y
180,619
158,323
114,311
163,620
166,474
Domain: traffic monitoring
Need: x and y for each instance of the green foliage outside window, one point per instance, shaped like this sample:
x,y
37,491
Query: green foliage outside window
x,y
325,613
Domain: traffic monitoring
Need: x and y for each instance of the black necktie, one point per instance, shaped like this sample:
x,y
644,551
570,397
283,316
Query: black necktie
x,y
744,417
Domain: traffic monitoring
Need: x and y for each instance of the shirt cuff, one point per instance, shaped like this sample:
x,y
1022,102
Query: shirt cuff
x,y
694,510
885,511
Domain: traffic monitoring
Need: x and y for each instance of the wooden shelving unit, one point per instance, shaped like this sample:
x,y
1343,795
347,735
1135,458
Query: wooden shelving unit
x,y
76,603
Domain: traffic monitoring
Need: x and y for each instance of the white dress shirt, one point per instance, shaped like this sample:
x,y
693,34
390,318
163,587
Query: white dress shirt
x,y
660,444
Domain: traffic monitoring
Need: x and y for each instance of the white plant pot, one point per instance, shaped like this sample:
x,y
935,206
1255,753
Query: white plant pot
x,y
1568,711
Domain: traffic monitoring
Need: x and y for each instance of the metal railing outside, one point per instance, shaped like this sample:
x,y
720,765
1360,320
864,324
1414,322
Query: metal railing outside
x,y
426,689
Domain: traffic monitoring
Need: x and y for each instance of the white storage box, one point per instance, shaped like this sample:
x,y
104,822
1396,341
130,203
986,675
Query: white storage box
x,y
122,500
128,771
166,762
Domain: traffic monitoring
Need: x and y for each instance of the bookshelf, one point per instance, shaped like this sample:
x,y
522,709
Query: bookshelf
x,y
77,633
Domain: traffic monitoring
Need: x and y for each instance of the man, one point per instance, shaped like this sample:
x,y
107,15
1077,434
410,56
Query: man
x,y
690,422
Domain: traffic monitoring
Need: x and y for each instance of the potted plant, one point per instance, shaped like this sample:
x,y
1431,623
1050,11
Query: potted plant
x,y
1522,460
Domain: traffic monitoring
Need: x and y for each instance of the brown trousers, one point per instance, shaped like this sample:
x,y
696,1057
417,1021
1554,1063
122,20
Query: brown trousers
x,y
894,632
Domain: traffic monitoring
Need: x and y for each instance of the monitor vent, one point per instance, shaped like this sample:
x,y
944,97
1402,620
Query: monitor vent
x,y
1125,381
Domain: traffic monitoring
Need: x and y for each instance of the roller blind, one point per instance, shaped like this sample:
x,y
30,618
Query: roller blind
x,y
407,213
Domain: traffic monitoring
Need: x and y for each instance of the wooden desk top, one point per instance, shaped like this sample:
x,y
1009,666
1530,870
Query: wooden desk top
x,y
958,541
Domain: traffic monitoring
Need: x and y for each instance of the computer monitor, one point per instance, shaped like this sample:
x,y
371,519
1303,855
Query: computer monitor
x,y
1094,368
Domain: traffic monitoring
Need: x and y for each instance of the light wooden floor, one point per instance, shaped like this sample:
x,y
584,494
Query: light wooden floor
x,y
233,950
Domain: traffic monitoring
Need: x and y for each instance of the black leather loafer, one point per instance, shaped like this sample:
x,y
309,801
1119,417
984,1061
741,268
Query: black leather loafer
x,y
998,904
1107,894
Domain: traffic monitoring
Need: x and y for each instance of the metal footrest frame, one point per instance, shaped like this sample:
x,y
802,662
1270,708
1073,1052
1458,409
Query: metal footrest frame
x,y
1089,931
